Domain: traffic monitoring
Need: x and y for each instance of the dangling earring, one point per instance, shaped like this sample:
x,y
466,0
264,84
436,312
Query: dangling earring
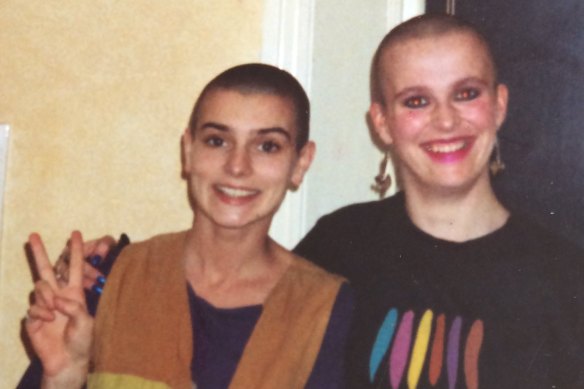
x,y
496,166
383,179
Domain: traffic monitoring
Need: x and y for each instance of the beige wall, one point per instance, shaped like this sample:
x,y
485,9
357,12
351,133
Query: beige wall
x,y
97,94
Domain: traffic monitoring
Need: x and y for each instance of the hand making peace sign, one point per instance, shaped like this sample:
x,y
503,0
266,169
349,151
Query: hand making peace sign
x,y
57,323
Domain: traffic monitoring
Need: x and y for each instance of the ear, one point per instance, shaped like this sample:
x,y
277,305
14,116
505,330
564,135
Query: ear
x,y
379,121
502,100
303,162
187,145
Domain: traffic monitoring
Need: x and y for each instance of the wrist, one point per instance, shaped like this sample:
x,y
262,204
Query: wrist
x,y
74,377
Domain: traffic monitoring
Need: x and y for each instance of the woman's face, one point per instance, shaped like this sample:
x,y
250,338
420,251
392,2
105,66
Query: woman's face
x,y
442,111
242,158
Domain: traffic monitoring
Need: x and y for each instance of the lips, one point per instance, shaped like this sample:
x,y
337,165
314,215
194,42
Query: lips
x,y
450,150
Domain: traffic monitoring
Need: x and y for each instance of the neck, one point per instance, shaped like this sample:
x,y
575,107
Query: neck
x,y
232,267
457,216
224,252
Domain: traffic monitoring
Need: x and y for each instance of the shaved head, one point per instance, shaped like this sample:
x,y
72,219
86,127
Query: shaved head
x,y
422,27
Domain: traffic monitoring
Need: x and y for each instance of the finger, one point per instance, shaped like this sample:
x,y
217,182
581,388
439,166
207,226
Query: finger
x,y
89,248
41,259
37,313
99,247
44,294
31,324
76,261
90,275
104,245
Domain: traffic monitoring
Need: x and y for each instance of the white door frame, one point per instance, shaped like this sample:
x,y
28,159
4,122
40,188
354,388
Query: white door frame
x,y
288,38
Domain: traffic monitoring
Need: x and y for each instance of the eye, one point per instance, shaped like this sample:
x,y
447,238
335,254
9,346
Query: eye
x,y
416,102
214,141
467,94
269,146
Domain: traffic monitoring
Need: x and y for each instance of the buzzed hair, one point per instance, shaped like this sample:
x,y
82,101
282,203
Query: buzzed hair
x,y
418,27
254,78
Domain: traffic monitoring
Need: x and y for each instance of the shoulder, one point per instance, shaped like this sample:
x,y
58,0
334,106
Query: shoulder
x,y
370,212
528,235
339,238
151,260
158,244
355,220
557,260
144,270
308,274
307,282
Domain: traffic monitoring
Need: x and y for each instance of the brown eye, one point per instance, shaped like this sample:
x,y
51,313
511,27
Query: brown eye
x,y
416,102
214,141
269,147
467,94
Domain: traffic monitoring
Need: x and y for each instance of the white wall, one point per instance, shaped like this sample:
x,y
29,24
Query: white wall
x,y
329,46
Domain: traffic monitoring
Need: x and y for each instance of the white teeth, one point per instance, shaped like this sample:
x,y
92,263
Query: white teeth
x,y
232,192
446,148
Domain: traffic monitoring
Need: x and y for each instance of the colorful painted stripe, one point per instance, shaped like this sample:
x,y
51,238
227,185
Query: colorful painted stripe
x,y
433,345
471,354
401,350
453,352
420,349
382,342
437,353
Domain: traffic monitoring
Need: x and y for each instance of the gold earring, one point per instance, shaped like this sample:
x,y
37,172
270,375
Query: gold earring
x,y
383,179
496,166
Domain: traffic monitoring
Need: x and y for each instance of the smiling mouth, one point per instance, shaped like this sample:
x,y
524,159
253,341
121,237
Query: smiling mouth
x,y
446,148
236,192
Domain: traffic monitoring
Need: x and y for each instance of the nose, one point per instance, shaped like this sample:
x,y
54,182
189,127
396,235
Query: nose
x,y
445,116
238,162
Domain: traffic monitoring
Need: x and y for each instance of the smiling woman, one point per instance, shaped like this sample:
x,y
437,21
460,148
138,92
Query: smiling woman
x,y
241,157
454,290
441,112
178,307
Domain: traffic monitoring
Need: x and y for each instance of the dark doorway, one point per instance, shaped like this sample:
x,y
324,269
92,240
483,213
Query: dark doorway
x,y
539,47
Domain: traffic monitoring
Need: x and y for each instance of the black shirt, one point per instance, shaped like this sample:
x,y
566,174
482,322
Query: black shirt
x,y
500,311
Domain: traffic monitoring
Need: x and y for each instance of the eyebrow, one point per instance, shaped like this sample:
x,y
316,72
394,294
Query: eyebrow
x,y
278,130
422,89
413,90
261,131
216,126
472,79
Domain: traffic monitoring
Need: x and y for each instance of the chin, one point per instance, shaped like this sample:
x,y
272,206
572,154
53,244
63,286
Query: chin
x,y
243,221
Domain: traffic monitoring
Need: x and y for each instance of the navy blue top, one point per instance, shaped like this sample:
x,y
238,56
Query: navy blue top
x,y
221,335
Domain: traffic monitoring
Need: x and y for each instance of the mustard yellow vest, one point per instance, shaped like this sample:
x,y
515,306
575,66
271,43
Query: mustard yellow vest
x,y
143,334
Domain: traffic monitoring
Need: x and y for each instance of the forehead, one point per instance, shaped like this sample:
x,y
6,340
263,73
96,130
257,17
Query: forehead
x,y
246,110
447,57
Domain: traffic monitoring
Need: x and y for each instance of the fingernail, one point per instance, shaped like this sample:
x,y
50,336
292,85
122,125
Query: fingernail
x,y
97,289
95,260
100,280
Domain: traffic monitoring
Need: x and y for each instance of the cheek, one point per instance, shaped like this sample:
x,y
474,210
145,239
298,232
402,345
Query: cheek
x,y
204,164
483,114
407,125
273,170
